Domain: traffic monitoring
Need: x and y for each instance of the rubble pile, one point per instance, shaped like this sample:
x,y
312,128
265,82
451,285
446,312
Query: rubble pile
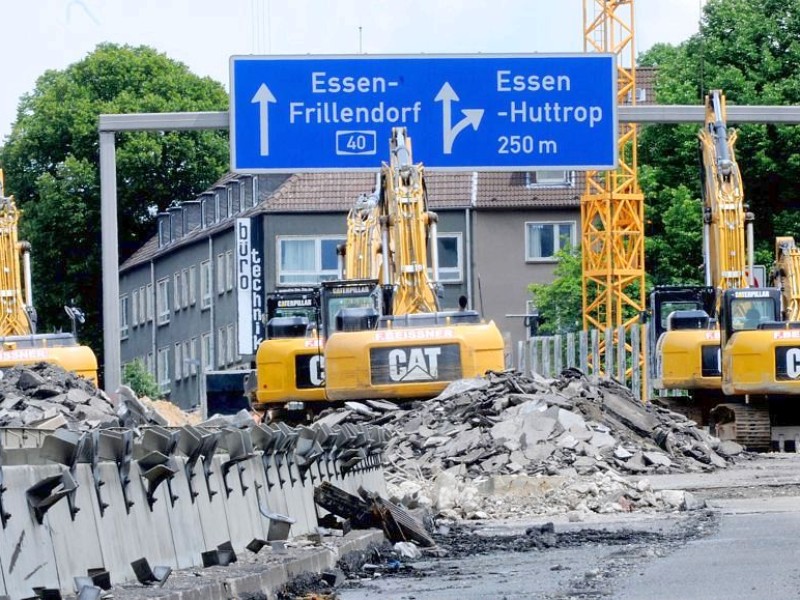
x,y
45,396
553,445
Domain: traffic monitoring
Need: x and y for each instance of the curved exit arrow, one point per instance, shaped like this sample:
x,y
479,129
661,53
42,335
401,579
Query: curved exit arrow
x,y
472,116
263,97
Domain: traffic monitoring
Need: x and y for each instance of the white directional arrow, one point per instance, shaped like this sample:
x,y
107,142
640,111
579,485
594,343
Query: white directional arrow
x,y
447,95
263,97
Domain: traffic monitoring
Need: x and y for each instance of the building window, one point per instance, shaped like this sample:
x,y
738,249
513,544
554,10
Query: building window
x,y
230,201
192,285
307,260
150,364
450,264
538,179
135,306
230,272
176,290
142,306
123,318
217,208
178,362
150,302
187,359
231,345
255,190
184,288
205,284
221,347
193,357
162,369
543,240
220,273
206,352
162,301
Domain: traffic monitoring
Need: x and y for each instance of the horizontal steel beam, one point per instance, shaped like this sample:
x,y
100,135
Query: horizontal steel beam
x,y
679,113
650,113
164,121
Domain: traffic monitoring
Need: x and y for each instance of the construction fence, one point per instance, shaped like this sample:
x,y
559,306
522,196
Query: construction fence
x,y
598,354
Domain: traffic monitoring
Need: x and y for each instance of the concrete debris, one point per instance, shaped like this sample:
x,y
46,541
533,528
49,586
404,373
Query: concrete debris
x,y
408,550
510,445
45,396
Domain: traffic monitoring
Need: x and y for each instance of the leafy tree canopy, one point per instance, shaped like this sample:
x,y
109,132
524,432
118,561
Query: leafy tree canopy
x,y
140,380
51,165
560,303
750,49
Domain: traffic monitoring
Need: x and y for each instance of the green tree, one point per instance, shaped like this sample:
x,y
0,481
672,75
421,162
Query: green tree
x,y
140,380
750,50
51,165
560,303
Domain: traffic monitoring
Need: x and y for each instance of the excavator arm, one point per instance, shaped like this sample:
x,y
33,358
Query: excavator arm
x,y
786,276
726,255
408,226
14,316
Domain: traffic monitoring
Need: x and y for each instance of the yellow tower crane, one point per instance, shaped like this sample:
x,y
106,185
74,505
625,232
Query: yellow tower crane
x,y
612,206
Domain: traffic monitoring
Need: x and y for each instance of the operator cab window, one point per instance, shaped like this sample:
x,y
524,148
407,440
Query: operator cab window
x,y
748,313
667,308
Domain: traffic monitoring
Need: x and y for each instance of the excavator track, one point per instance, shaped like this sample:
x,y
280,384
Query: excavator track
x,y
747,424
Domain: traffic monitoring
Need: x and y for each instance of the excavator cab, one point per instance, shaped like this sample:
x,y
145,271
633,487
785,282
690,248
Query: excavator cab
x,y
290,367
761,351
684,338
351,305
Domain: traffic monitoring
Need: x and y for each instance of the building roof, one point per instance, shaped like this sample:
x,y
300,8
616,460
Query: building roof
x,y
513,190
646,81
336,192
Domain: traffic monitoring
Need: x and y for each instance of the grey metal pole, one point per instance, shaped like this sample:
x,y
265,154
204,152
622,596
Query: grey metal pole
x,y
112,375
109,124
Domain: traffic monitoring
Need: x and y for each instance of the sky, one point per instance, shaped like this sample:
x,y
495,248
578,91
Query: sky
x,y
38,35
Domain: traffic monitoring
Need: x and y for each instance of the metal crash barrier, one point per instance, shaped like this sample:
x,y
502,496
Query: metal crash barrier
x,y
114,502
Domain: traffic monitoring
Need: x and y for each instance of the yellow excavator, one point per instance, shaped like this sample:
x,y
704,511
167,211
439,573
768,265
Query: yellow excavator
x,y
289,380
290,368
19,342
761,332
687,352
392,341
733,346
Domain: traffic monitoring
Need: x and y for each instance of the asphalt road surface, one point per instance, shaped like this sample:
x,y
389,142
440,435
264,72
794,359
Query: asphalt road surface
x,y
744,546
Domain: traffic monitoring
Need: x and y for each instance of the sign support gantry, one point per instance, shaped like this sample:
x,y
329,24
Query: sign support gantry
x,y
612,206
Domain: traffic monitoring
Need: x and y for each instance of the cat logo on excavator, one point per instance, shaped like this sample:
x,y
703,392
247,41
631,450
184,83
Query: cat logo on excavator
x,y
409,364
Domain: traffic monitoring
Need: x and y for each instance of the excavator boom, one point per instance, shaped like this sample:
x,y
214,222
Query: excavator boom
x,y
19,342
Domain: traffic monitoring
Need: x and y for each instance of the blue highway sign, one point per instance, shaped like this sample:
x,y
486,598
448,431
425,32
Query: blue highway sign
x,y
487,112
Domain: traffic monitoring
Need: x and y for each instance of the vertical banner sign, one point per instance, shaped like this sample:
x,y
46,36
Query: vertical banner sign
x,y
249,284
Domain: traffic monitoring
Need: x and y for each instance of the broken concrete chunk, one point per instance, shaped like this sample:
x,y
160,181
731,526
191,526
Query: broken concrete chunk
x,y
621,453
602,440
360,408
729,448
506,430
29,380
407,550
566,440
539,453
657,458
569,420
